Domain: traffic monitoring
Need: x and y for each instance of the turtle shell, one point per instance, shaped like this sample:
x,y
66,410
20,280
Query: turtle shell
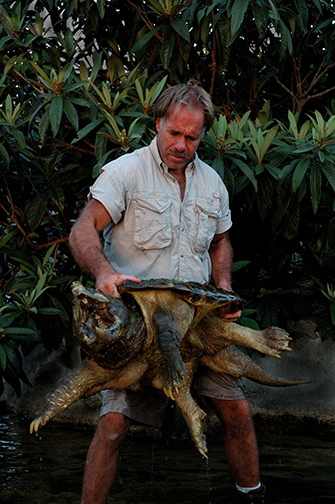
x,y
194,293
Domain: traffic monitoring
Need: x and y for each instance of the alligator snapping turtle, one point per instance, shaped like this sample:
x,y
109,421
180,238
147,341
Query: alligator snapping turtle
x,y
157,334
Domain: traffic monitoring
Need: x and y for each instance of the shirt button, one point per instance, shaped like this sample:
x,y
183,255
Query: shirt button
x,y
181,255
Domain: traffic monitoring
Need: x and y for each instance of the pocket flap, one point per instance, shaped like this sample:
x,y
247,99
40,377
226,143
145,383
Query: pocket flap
x,y
159,203
210,207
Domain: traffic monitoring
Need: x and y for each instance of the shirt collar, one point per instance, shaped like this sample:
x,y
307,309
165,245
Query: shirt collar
x,y
158,160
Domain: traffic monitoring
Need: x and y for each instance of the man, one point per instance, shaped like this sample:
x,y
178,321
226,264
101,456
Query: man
x,y
164,213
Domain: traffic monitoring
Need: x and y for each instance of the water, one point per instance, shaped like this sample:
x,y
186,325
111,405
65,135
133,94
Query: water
x,y
297,466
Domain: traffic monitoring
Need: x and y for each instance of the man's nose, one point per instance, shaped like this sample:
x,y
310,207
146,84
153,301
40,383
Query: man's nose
x,y
181,144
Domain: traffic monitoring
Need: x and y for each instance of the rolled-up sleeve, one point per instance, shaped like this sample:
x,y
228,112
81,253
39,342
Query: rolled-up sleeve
x,y
110,191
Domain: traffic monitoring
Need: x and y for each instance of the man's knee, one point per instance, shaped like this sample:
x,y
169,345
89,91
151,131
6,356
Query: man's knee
x,y
232,411
113,428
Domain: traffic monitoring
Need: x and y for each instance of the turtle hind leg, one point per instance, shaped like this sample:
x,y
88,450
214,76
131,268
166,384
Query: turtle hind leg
x,y
191,411
171,365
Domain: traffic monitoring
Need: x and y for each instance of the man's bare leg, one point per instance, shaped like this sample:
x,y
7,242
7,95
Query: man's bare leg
x,y
102,458
240,440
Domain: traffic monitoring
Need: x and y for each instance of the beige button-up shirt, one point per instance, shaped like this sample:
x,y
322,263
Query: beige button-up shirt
x,y
154,234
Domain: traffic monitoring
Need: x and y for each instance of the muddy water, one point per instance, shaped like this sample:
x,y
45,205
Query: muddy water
x,y
47,468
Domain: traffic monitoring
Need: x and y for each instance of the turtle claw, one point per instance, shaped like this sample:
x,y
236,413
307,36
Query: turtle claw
x,y
201,445
172,392
37,423
275,341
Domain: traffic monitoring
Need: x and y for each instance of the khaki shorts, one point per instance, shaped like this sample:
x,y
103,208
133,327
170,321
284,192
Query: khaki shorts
x,y
149,407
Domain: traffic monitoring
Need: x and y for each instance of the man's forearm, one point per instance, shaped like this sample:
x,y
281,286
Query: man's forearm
x,y
221,254
86,247
84,240
87,250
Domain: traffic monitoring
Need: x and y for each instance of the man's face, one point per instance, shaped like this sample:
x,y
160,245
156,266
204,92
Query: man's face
x,y
179,136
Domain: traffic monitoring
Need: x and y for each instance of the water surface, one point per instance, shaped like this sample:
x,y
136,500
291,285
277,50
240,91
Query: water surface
x,y
297,467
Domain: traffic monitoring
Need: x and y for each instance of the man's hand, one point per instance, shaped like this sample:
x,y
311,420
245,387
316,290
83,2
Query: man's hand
x,y
232,317
87,250
109,282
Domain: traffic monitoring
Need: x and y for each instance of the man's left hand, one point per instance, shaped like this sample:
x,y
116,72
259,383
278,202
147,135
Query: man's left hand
x,y
232,317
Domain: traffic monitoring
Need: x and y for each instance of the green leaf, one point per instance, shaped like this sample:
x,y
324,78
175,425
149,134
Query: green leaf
x,y
239,265
100,145
66,71
300,172
139,90
205,30
157,88
43,75
18,331
238,10
157,7
286,40
101,7
85,131
49,311
71,114
56,111
292,223
269,137
3,356
145,39
247,322
316,187
329,172
166,51
7,236
332,313
293,124
20,138
261,16
247,171
13,357
181,28
97,58
4,154
36,210
58,196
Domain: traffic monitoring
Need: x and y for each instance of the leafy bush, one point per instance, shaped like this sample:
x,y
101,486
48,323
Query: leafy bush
x,y
78,85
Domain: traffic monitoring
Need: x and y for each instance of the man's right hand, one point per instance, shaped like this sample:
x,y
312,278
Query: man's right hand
x,y
108,283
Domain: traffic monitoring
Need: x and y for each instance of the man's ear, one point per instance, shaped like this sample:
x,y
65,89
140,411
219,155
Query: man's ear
x,y
158,124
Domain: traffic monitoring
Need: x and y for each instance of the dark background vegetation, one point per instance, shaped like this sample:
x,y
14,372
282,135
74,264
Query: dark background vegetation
x,y
78,84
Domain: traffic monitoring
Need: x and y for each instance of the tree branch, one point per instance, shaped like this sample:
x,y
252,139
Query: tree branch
x,y
12,213
143,15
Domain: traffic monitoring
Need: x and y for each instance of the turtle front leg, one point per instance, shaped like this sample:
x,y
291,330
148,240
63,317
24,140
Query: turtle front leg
x,y
271,341
191,411
171,365
213,334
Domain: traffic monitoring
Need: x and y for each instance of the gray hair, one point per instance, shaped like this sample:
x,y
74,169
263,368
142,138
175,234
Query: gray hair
x,y
188,95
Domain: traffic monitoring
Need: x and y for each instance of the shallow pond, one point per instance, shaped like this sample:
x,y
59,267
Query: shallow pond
x,y
47,468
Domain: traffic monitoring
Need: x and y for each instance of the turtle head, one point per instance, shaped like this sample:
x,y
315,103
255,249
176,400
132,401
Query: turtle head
x,y
104,325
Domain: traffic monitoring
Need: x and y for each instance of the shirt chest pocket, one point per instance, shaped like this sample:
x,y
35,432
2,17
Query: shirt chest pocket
x,y
153,228
207,211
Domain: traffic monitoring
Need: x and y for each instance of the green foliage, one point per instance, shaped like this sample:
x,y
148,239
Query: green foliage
x,y
325,311
78,85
